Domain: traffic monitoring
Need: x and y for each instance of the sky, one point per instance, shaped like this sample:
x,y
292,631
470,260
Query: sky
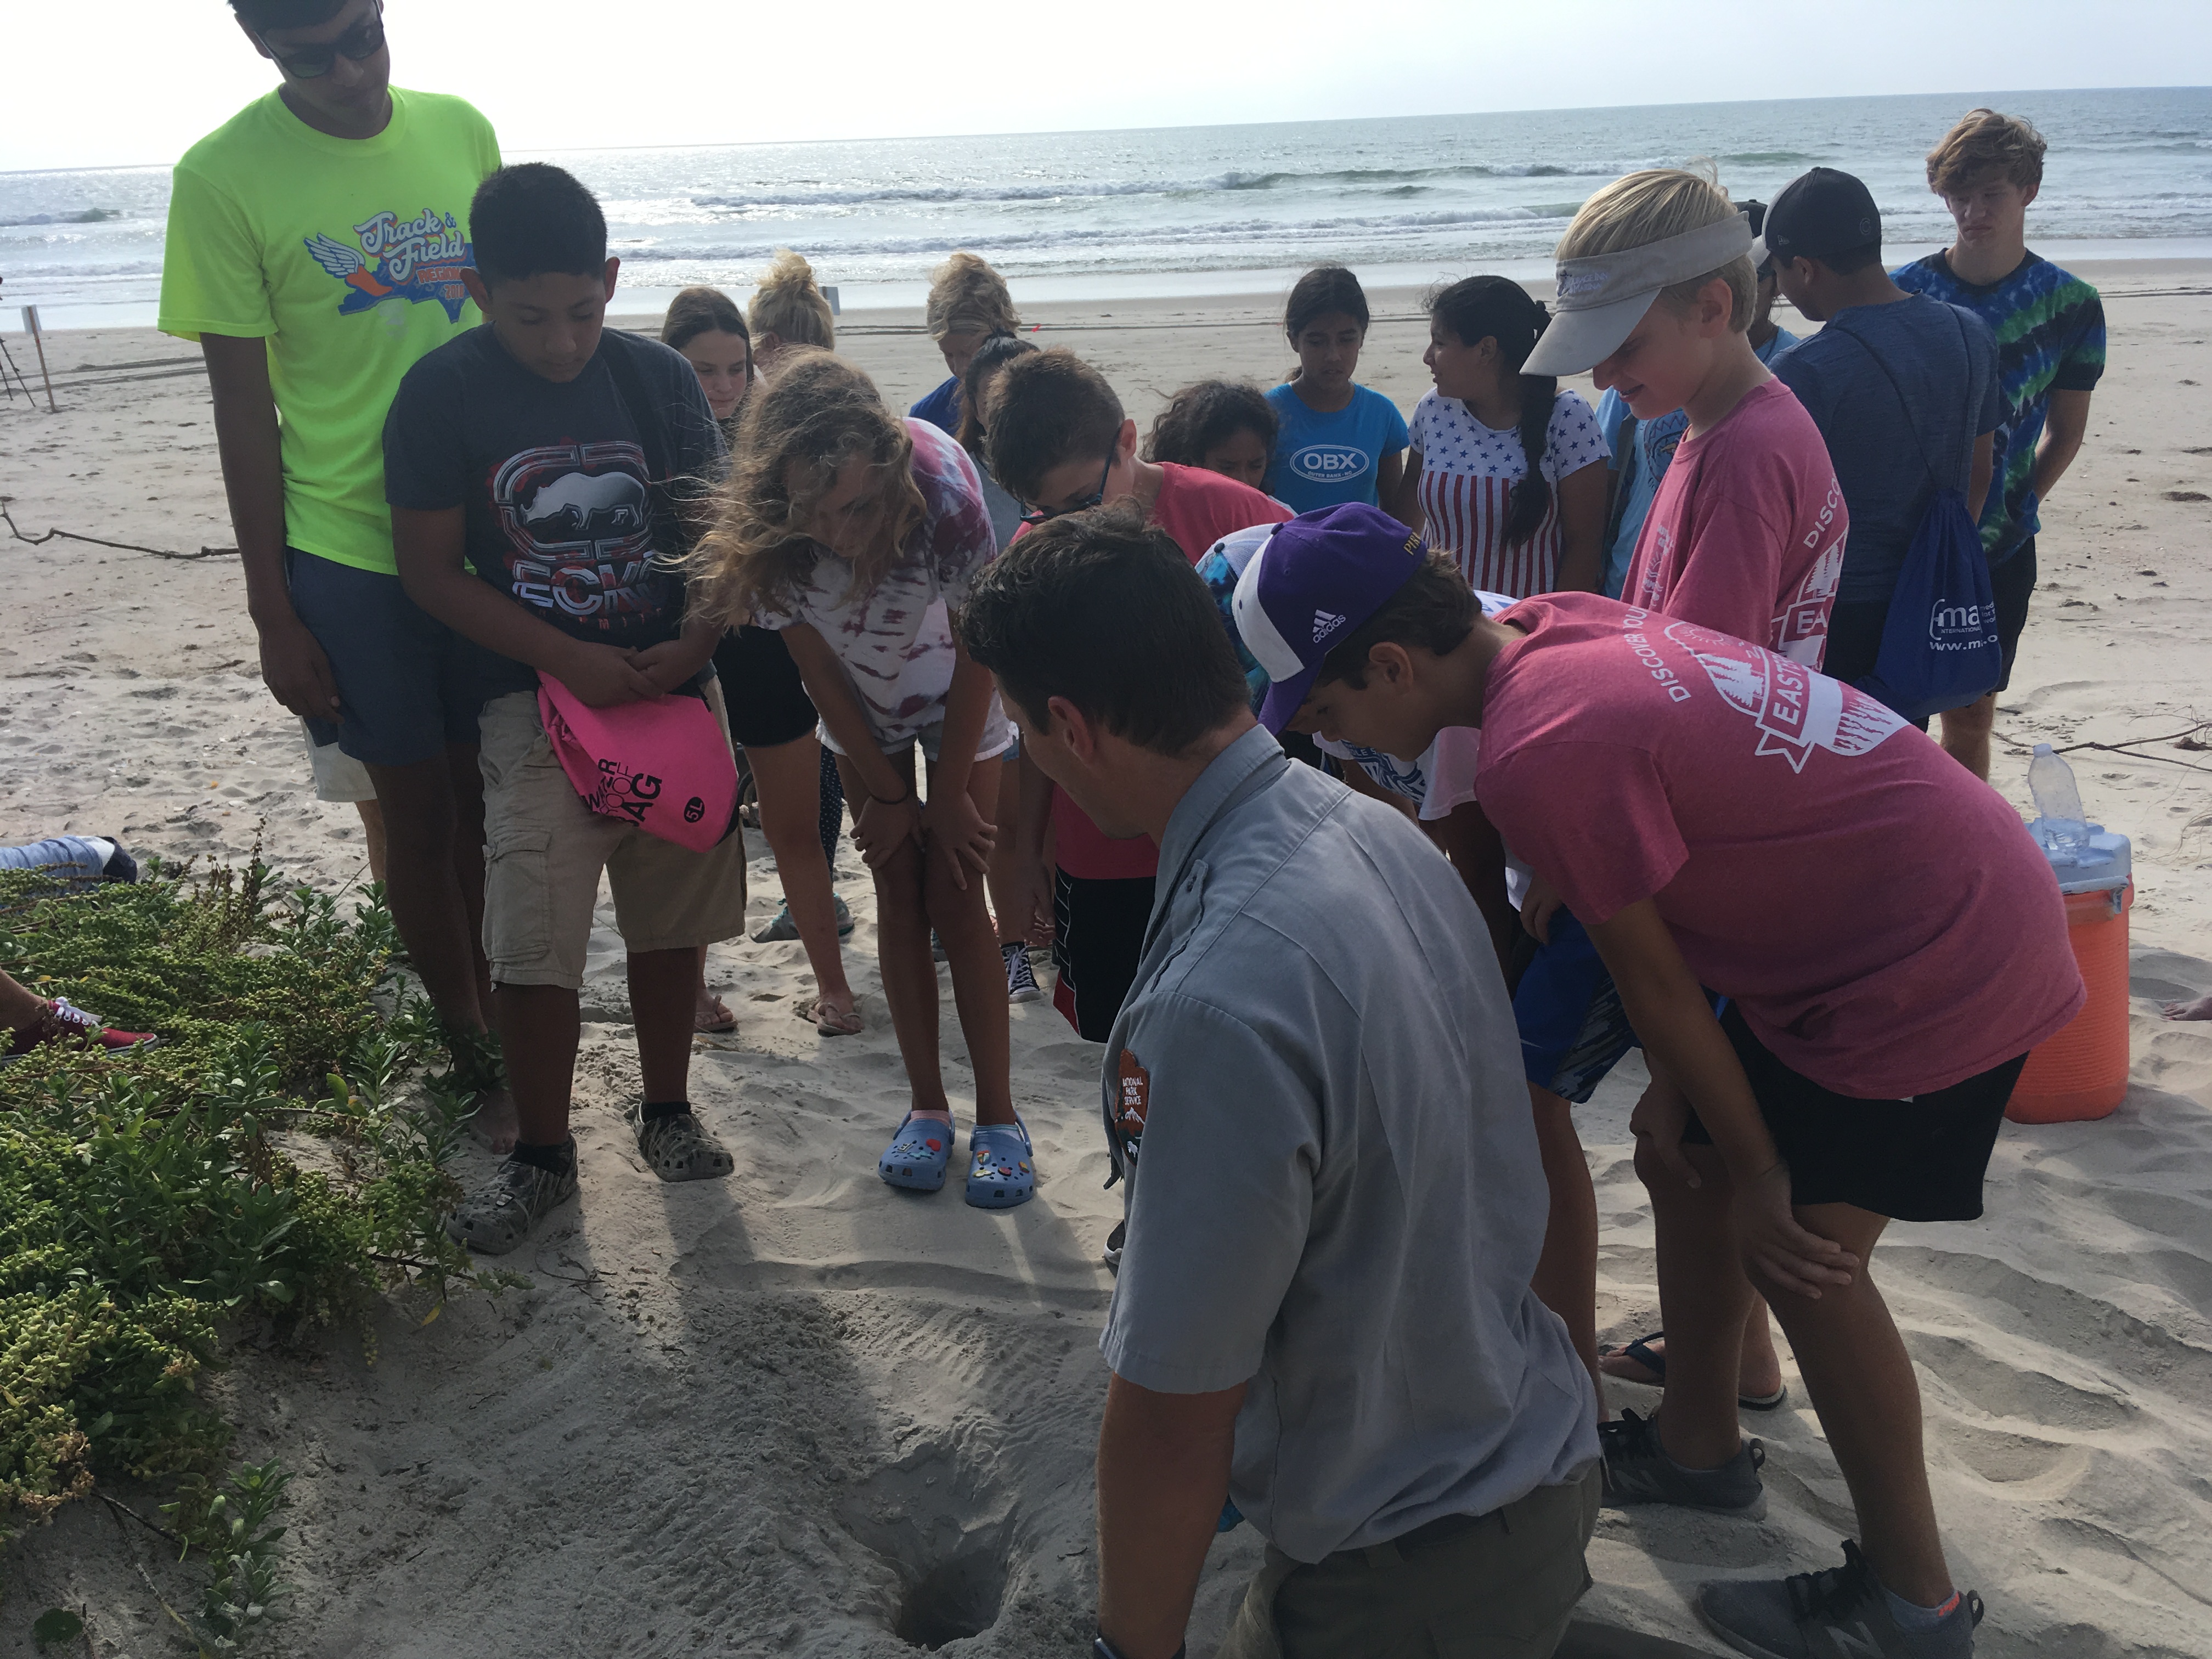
x,y
136,81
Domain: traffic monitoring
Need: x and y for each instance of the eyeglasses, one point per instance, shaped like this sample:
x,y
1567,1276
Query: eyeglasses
x,y
1038,515
360,43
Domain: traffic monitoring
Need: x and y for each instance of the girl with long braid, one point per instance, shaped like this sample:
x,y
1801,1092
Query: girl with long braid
x,y
1507,472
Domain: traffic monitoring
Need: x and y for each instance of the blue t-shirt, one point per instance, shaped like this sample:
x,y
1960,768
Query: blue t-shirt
x,y
1890,449
941,408
2049,329
1325,460
1654,442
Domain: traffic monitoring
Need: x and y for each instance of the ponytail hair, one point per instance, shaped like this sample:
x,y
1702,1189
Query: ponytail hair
x,y
788,305
1320,291
1494,308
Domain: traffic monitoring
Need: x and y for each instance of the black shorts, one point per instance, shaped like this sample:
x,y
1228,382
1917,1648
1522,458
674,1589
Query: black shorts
x,y
761,688
1854,628
1920,1160
1098,939
2013,584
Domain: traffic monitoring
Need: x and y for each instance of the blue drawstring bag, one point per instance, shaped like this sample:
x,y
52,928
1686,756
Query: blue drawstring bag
x,y
1939,643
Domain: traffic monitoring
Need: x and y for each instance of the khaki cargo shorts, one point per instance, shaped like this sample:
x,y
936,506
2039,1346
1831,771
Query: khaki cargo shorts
x,y
543,851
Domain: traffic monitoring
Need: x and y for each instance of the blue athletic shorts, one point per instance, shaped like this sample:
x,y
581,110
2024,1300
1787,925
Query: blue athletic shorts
x,y
409,686
1573,1028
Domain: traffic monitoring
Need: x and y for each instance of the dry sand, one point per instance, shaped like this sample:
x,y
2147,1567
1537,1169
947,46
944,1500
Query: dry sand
x,y
797,1412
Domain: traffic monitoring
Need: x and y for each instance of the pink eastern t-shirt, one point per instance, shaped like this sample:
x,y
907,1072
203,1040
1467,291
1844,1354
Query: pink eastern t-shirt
x,y
1197,508
1746,531
1881,917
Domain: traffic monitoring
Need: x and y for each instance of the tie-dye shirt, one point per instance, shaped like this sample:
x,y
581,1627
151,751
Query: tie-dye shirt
x,y
893,641
2050,328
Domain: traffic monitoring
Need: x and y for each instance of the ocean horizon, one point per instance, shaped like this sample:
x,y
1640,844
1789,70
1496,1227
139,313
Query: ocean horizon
x,y
1206,210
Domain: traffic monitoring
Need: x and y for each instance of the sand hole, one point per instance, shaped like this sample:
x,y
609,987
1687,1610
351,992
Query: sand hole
x,y
953,1599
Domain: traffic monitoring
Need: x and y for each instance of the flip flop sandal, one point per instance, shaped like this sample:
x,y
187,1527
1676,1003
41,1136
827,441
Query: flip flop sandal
x,y
711,1025
1652,1360
679,1148
1003,1172
918,1155
817,1012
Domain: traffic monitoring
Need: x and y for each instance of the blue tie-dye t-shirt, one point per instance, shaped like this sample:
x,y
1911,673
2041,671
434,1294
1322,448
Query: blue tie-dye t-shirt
x,y
2050,329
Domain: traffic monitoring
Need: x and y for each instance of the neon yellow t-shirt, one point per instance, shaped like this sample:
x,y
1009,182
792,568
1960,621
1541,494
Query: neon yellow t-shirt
x,y
345,255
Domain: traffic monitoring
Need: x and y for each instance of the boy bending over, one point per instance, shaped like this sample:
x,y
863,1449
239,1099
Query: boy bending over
x,y
1719,816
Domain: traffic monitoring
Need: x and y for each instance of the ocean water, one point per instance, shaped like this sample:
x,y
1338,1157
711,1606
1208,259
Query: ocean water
x,y
1219,209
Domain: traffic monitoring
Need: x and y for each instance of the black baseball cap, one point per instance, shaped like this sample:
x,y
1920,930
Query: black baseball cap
x,y
1821,214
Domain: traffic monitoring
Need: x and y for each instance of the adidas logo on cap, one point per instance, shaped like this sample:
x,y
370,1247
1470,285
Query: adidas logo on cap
x,y
1325,623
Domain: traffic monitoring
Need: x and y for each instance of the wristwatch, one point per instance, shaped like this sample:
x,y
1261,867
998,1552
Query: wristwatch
x,y
1103,1649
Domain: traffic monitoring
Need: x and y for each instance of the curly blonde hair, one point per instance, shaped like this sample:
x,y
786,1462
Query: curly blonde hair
x,y
788,304
1651,206
794,434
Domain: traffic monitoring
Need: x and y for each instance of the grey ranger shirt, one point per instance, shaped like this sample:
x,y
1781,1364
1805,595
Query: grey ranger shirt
x,y
1336,1192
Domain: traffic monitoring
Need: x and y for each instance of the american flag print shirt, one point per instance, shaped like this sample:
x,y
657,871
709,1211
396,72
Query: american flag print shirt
x,y
1467,473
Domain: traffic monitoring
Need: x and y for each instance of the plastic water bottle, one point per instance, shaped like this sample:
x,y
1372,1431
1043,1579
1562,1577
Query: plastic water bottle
x,y
2062,830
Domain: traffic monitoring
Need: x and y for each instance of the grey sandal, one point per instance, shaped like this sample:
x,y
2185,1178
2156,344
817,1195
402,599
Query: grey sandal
x,y
494,1219
679,1148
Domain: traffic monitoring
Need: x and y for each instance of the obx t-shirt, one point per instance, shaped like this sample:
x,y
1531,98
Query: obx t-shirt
x,y
552,480
345,255
1326,459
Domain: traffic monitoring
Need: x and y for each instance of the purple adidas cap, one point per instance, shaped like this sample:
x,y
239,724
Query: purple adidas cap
x,y
1316,579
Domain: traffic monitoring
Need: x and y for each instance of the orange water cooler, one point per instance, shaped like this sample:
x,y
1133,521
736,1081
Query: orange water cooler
x,y
2082,1070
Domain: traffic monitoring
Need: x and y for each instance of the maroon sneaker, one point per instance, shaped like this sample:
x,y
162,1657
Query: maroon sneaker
x,y
65,1023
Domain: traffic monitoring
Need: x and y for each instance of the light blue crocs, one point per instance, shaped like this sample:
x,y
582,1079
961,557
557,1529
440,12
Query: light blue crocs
x,y
1004,1171
918,1155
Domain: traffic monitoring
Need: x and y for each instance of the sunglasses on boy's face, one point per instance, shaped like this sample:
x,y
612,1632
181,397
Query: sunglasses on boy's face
x,y
360,43
1038,515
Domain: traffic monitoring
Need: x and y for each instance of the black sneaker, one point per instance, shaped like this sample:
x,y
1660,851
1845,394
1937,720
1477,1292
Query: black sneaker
x,y
1021,979
1639,1471
1111,1256
1840,1613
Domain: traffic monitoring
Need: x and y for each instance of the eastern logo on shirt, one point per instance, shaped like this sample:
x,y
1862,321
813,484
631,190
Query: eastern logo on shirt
x,y
1133,1097
579,519
419,259
1328,463
1796,710
1325,623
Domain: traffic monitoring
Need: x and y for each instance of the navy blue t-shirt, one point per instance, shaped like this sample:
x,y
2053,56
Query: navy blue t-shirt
x,y
1944,362
941,408
552,479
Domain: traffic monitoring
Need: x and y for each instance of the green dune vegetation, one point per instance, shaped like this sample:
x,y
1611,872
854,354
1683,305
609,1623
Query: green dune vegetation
x,y
274,1169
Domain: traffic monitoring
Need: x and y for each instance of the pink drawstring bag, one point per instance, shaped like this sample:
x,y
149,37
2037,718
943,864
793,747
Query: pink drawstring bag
x,y
662,766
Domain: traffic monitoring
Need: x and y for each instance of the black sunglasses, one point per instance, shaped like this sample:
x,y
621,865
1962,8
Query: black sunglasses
x,y
1038,515
360,43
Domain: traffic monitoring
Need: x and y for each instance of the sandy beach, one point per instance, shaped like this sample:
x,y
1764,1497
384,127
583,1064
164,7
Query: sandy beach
x,y
798,1411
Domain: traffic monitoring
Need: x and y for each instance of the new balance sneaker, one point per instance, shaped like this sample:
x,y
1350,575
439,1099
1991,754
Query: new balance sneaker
x,y
64,1022
1843,1613
1639,1471
783,928
1021,979
496,1217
